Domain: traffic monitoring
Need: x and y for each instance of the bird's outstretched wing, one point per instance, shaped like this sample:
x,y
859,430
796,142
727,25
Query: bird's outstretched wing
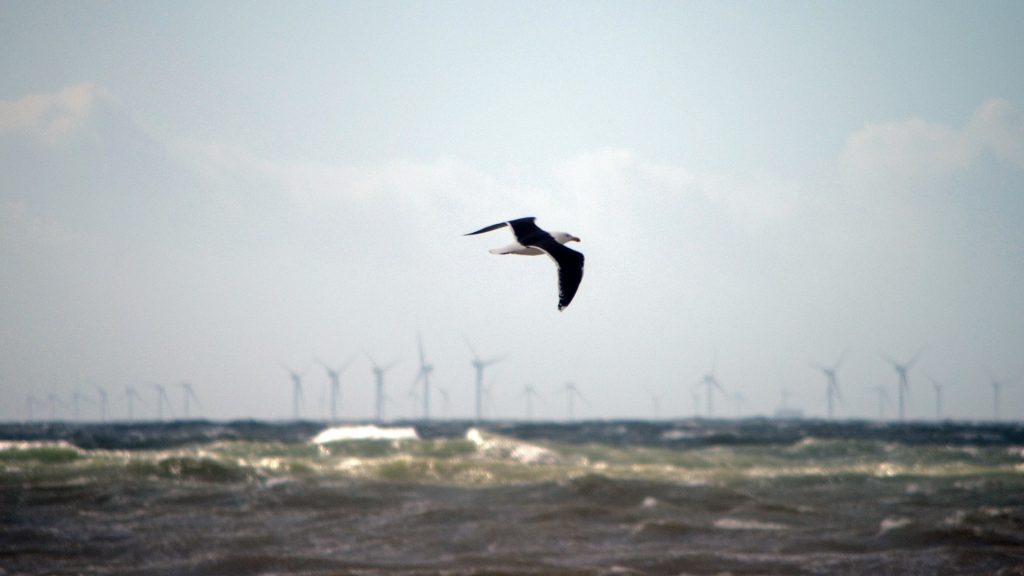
x,y
520,226
570,269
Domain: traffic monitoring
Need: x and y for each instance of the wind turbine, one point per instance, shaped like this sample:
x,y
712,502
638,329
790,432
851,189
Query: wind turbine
x,y
161,397
54,401
530,393
571,392
378,374
132,395
190,394
103,402
424,375
832,390
296,390
489,397
939,388
446,401
710,381
997,387
904,387
334,374
76,402
883,401
32,400
479,366
739,400
655,404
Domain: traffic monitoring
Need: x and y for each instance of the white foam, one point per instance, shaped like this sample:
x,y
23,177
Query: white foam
x,y
893,524
6,445
740,524
344,433
521,452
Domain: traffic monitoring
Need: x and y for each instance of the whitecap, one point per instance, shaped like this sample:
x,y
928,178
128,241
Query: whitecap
x,y
344,433
741,524
521,452
893,524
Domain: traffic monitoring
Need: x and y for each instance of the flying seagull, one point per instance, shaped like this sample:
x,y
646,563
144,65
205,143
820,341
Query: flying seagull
x,y
531,241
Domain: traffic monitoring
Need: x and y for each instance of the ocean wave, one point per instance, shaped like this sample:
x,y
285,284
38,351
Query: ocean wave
x,y
369,432
46,452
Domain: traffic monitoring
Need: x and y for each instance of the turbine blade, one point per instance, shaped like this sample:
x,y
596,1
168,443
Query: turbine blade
x,y
839,362
471,349
346,364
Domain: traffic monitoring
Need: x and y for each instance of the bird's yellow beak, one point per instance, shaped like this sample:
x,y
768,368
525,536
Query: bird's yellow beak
x,y
574,239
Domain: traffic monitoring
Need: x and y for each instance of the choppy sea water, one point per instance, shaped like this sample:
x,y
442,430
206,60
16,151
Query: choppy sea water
x,y
688,497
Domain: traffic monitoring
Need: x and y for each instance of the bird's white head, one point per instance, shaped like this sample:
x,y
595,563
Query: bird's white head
x,y
564,237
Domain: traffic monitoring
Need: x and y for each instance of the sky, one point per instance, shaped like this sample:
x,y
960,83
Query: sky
x,y
218,192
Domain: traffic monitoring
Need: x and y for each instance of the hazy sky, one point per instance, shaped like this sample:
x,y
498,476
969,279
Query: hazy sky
x,y
208,191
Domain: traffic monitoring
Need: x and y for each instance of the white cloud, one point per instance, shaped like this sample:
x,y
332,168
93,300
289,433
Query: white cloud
x,y
999,126
912,155
897,156
49,118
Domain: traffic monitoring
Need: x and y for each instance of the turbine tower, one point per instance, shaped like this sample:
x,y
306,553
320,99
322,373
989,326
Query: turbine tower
x,y
423,375
997,387
939,388
572,392
76,402
739,400
530,393
832,390
883,401
32,401
904,386
334,374
479,366
103,402
378,374
161,398
132,395
446,401
190,394
710,381
296,390
655,404
54,401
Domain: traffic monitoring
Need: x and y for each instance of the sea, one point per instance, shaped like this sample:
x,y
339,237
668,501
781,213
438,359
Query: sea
x,y
755,496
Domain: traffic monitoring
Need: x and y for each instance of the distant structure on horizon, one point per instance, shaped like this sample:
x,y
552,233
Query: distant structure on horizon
x,y
296,391
710,382
939,388
572,392
785,411
883,401
334,375
530,393
904,385
478,366
997,387
161,399
832,387
381,394
190,394
424,376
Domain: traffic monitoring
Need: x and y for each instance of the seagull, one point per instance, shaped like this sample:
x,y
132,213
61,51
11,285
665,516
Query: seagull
x,y
532,241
